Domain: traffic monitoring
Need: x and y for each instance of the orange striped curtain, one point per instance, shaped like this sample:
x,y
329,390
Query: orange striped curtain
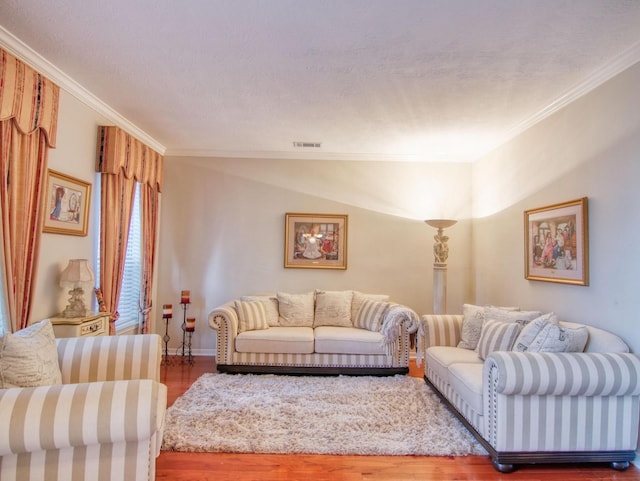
x,y
28,127
123,160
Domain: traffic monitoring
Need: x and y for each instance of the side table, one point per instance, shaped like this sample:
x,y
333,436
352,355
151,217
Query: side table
x,y
95,324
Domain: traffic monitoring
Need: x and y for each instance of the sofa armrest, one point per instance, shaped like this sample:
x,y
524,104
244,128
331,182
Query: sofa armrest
x,y
438,330
110,358
224,320
563,374
70,415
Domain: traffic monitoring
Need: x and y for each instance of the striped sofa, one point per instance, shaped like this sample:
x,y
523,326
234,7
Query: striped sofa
x,y
315,349
536,407
104,421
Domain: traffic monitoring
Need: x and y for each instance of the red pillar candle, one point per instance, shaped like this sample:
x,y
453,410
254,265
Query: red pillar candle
x,y
185,297
191,324
167,311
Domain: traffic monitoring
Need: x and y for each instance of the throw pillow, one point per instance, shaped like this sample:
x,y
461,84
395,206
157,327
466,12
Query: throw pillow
x,y
359,298
556,338
333,308
29,357
496,336
471,326
531,330
503,315
296,309
252,316
270,307
371,314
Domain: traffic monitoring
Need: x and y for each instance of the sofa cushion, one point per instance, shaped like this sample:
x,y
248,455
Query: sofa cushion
x,y
285,340
439,358
296,309
370,315
29,357
348,340
333,308
251,315
466,380
270,306
555,338
359,298
531,330
497,336
503,315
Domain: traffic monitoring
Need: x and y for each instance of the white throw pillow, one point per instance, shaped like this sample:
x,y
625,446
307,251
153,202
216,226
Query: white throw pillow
x,y
553,338
29,357
531,330
371,314
251,316
359,298
503,315
496,336
471,326
333,308
270,307
296,309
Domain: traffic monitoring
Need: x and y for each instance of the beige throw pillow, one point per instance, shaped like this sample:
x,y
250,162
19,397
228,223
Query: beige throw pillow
x,y
531,330
553,338
29,357
270,307
497,336
371,314
359,298
296,309
333,308
251,316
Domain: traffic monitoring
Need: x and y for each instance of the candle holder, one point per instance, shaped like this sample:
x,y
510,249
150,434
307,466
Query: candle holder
x,y
167,313
188,326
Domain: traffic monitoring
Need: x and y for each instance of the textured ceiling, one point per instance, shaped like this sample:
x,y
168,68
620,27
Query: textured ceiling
x,y
426,80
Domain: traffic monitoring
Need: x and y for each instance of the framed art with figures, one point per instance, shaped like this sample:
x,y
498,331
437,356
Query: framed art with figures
x,y
67,204
315,241
557,243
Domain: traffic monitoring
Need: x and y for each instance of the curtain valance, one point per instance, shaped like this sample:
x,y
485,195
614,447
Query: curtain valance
x,y
120,151
27,97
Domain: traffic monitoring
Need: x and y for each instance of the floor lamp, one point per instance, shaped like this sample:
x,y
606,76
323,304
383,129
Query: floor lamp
x,y
440,254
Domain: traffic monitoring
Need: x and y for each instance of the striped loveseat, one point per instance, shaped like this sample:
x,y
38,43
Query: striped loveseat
x,y
104,421
321,332
538,407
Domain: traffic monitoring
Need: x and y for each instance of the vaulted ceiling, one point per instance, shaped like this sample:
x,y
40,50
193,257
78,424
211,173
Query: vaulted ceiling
x,y
419,80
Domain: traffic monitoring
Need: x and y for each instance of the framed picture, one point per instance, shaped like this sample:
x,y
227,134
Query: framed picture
x,y
67,204
557,243
315,241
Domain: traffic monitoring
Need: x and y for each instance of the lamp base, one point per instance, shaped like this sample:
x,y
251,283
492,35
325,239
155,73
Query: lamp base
x,y
76,306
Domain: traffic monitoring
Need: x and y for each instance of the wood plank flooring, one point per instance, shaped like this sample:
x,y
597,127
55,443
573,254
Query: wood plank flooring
x,y
279,467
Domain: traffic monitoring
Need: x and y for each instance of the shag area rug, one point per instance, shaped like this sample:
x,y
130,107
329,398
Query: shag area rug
x,y
343,415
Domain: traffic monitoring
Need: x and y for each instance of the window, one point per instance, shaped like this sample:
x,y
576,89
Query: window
x,y
129,303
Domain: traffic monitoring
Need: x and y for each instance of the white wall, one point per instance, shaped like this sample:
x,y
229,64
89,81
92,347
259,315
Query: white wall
x,y
74,155
222,230
591,148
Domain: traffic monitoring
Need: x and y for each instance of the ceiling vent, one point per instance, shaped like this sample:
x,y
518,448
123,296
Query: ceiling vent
x,y
307,145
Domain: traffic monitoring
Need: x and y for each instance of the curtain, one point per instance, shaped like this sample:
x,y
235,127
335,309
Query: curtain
x,y
28,128
123,161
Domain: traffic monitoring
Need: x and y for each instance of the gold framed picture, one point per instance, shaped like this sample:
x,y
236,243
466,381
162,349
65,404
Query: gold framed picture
x,y
67,204
557,243
315,241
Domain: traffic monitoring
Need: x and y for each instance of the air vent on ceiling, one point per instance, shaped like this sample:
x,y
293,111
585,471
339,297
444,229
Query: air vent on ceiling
x,y
307,145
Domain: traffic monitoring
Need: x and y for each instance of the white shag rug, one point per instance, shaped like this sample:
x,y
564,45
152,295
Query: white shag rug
x,y
342,415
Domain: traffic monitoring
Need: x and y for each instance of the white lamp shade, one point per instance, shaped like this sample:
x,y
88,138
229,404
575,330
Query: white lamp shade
x,y
76,272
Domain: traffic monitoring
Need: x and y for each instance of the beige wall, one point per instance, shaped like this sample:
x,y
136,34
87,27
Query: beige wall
x,y
222,230
591,148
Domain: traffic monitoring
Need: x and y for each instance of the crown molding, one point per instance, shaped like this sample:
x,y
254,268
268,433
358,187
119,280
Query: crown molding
x,y
19,49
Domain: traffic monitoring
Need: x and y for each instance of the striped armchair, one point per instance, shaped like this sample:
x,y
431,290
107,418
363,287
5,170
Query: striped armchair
x,y
106,417
538,407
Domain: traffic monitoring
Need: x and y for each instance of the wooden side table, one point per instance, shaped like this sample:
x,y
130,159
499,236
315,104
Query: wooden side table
x,y
96,324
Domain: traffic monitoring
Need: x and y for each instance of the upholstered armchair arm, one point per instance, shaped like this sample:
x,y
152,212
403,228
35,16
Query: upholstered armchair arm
x,y
224,320
564,374
438,330
70,415
110,358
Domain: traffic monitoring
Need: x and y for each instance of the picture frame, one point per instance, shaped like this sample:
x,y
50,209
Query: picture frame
x,y
557,243
66,204
315,241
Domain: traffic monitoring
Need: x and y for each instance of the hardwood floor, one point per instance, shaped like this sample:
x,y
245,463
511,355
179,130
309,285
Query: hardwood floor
x,y
280,467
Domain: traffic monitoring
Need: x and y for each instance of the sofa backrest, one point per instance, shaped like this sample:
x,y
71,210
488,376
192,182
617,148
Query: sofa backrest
x,y
600,340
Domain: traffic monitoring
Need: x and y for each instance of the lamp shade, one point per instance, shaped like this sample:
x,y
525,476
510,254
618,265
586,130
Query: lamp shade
x,y
77,271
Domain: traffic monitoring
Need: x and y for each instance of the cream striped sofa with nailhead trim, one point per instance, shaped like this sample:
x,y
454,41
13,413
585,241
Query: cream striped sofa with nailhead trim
x,y
344,332
105,421
538,407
